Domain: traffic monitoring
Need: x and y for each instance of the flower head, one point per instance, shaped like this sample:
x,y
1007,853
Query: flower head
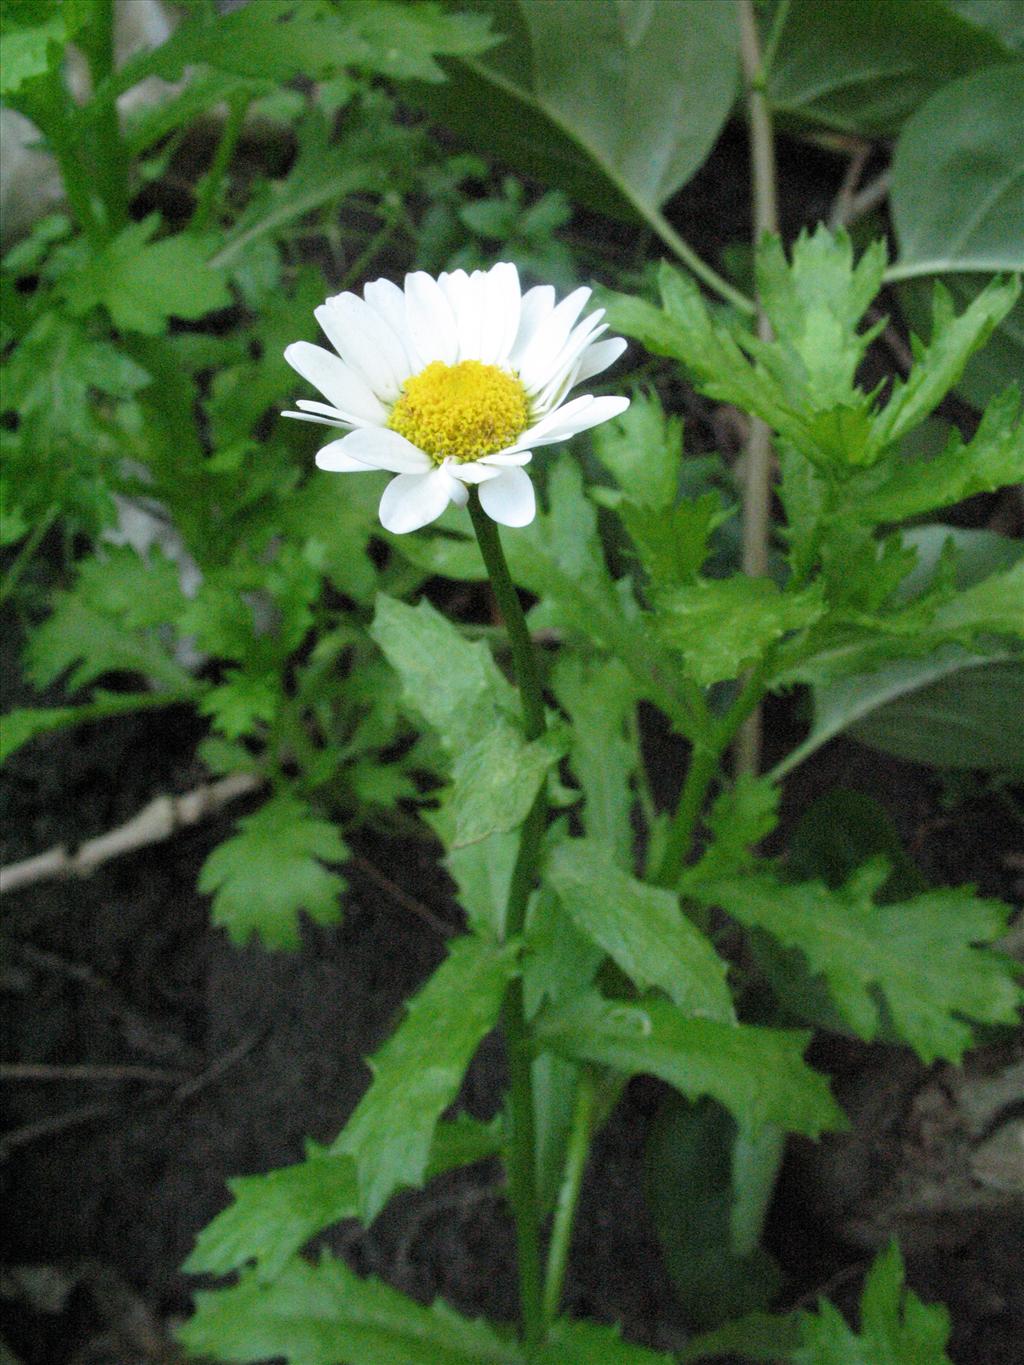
x,y
453,382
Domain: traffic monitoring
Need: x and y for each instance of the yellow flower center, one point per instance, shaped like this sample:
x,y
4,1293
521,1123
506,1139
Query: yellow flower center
x,y
462,411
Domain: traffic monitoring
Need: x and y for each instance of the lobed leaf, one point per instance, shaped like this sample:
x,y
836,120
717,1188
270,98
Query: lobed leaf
x,y
918,955
272,869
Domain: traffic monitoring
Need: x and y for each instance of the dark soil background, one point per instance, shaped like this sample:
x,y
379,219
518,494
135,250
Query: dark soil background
x,y
107,1182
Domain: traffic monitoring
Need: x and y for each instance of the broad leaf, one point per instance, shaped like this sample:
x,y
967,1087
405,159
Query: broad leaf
x,y
851,67
418,1071
756,1073
642,928
550,99
323,1314
958,177
272,869
143,283
483,874
273,1216
918,955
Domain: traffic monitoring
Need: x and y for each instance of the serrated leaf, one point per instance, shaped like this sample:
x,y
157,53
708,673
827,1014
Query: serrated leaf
x,y
592,1343
495,782
642,450
239,704
274,1215
740,817
143,283
322,1314
993,458
105,624
641,928
17,727
919,955
454,685
418,1071
723,625
896,1327
600,697
271,870
939,365
756,1073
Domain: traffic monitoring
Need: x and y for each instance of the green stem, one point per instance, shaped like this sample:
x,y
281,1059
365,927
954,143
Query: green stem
x,y
577,1150
238,107
111,158
699,267
705,757
521,1144
57,116
24,557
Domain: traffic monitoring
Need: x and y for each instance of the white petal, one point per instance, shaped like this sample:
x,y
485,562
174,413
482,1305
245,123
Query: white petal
x,y
380,448
459,493
320,421
508,457
510,498
385,298
414,500
465,294
336,460
339,385
537,360
431,320
598,356
346,419
473,471
579,415
501,303
365,342
537,306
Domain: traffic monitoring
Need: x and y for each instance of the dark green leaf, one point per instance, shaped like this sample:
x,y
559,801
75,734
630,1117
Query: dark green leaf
x,y
590,1343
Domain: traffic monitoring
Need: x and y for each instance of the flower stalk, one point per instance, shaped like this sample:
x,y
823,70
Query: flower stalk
x,y
521,1144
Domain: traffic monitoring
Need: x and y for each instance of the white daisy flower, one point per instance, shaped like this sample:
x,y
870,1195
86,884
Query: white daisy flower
x,y
450,383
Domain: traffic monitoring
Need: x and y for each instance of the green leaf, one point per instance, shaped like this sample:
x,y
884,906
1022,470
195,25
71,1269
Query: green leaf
x,y
993,458
1002,18
550,99
591,1343
724,625
642,928
272,869
418,1071
282,39
740,817
454,685
896,1327
322,1314
17,727
850,67
143,283
919,955
34,34
483,874
939,365
600,697
958,177
839,832
105,624
274,1215
642,449
495,782
240,703
755,1336
756,1073
691,1162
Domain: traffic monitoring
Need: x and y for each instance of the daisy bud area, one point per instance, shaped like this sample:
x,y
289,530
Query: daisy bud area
x,y
512,586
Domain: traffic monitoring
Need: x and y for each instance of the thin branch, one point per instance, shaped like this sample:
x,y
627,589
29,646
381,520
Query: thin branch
x,y
757,490
164,816
59,1123
841,206
31,1071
